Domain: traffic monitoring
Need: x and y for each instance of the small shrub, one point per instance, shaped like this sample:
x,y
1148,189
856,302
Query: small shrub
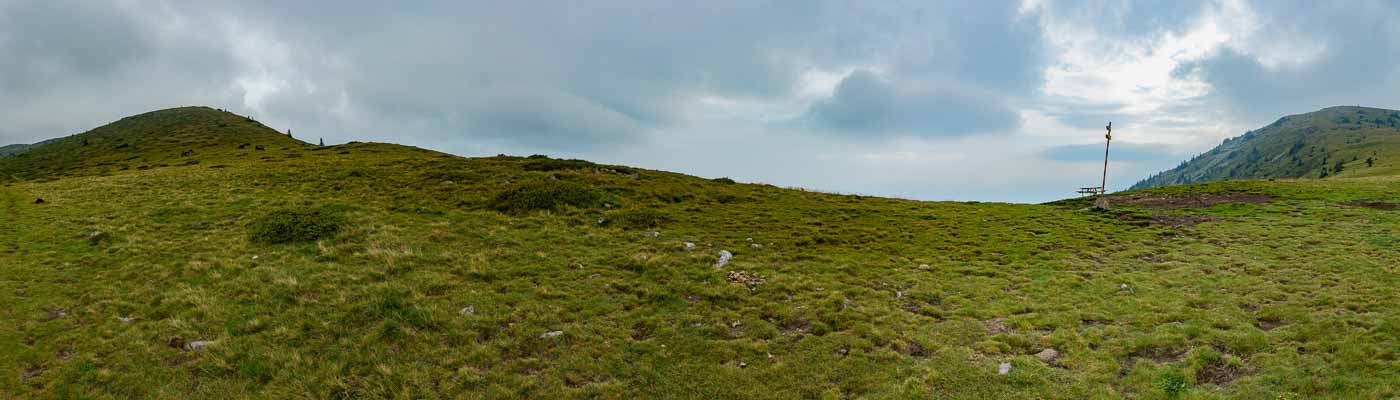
x,y
726,181
1172,383
545,195
288,226
641,219
548,164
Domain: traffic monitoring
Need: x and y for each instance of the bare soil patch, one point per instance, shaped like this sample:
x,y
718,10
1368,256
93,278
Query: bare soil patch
x,y
1217,374
1172,202
1372,205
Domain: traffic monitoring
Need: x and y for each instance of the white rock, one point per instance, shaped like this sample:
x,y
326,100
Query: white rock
x,y
755,245
1048,355
748,239
468,310
1004,369
724,257
255,257
653,234
551,334
601,220
689,246
449,182
124,320
198,344
1123,287
924,267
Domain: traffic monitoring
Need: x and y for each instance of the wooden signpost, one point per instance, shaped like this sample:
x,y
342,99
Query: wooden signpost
x,y
1103,182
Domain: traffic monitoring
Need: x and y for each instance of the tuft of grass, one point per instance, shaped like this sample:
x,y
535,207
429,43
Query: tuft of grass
x,y
641,218
550,164
289,226
545,196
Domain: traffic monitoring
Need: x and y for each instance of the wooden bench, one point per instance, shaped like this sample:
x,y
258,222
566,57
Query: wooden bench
x,y
1090,191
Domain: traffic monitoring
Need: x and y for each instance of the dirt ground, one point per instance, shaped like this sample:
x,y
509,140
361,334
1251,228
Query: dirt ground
x,y
1169,202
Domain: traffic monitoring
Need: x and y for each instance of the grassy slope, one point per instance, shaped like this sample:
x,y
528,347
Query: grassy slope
x,y
1300,146
845,310
177,136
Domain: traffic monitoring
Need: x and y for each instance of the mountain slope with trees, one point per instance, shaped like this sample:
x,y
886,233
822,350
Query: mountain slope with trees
x,y
1332,142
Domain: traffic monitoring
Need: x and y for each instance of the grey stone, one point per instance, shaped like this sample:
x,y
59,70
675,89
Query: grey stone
x,y
1004,368
1048,355
551,334
724,257
198,345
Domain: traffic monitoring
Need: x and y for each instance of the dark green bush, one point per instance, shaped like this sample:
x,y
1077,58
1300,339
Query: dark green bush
x,y
545,195
288,226
726,181
549,164
640,219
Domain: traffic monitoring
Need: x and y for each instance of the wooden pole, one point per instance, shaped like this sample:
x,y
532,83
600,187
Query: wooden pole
x,y
1103,183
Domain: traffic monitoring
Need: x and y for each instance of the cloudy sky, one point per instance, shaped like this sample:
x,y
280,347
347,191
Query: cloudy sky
x,y
955,100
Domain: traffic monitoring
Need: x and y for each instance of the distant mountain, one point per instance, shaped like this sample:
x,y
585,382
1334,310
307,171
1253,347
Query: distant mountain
x,y
1332,142
177,136
17,149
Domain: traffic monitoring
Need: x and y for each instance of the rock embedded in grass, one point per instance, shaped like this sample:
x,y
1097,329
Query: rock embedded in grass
x,y
1048,355
468,310
198,345
653,234
1004,368
724,257
551,334
689,246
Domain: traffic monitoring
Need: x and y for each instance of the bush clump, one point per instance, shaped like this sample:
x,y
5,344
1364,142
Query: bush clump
x,y
640,219
287,226
546,195
549,164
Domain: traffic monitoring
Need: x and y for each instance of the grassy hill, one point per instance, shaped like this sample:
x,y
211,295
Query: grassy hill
x,y
1332,142
158,139
375,270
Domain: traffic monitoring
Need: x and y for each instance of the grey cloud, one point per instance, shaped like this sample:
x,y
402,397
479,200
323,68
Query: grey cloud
x,y
864,104
1359,65
1128,151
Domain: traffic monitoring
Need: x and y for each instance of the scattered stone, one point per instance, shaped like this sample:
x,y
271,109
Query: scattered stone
x,y
924,267
97,237
743,364
1101,204
198,345
1004,368
551,334
755,245
602,220
255,257
653,234
746,278
449,183
39,201
689,246
57,314
724,257
468,310
1047,355
125,320
750,240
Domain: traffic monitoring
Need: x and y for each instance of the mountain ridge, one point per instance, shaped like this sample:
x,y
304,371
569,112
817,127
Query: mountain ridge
x,y
1331,142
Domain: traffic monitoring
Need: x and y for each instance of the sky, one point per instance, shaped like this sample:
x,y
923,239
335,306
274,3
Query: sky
x,y
931,100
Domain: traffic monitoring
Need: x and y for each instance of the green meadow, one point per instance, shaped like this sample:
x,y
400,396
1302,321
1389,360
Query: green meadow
x,y
190,264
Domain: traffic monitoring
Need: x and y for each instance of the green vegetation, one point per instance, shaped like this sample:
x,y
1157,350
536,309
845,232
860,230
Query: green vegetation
x,y
545,196
1329,143
288,226
1238,289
